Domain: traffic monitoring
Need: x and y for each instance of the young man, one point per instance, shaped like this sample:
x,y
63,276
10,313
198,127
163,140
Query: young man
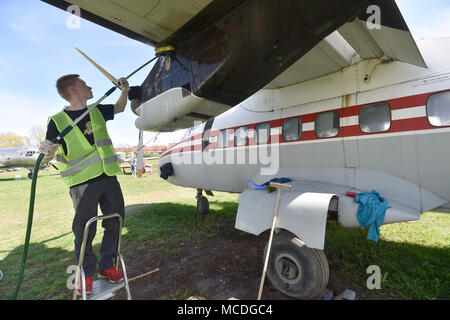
x,y
88,165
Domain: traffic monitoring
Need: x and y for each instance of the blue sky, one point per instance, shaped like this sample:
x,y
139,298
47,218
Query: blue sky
x,y
38,47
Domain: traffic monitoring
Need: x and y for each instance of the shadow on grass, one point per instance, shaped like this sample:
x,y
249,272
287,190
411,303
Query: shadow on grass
x,y
164,223
408,270
14,179
25,177
44,273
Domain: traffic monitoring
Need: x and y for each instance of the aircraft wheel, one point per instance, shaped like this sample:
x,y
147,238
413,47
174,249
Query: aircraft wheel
x,y
30,175
202,205
294,269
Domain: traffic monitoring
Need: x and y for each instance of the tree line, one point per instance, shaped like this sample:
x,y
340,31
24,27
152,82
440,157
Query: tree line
x,y
36,135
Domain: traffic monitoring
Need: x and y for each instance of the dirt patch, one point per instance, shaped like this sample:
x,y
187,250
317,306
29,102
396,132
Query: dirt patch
x,y
229,265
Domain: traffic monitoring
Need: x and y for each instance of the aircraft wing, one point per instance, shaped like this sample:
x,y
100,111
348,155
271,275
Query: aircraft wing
x,y
225,51
392,41
147,21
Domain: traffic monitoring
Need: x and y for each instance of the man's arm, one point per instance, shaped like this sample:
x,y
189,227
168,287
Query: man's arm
x,y
48,147
121,103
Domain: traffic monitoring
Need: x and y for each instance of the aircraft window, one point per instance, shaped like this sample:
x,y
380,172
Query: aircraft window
x,y
327,124
438,109
262,133
292,129
198,128
187,133
240,136
222,140
375,118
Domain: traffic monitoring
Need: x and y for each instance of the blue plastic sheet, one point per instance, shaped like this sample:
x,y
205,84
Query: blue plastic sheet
x,y
371,212
257,186
263,186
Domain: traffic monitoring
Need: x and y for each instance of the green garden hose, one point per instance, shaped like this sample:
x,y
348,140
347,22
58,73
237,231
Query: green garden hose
x,y
29,224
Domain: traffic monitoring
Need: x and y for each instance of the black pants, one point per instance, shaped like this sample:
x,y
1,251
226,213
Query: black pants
x,y
86,197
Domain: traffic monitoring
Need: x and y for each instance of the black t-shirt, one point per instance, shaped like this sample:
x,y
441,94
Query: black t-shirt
x,y
85,126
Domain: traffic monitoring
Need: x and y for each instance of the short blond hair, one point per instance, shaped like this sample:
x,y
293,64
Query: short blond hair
x,y
64,82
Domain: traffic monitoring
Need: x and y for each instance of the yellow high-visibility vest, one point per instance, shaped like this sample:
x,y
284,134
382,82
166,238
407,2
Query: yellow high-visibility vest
x,y
84,161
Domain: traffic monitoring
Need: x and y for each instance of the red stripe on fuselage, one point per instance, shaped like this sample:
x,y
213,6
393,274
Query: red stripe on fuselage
x,y
403,125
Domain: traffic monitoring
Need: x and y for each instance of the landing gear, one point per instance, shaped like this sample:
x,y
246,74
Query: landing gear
x,y
294,269
202,203
30,174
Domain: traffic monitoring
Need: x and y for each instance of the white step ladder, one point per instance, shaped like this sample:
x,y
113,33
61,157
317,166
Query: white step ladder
x,y
102,289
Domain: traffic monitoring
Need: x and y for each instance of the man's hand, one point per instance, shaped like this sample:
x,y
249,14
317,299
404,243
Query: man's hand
x,y
121,103
123,84
49,149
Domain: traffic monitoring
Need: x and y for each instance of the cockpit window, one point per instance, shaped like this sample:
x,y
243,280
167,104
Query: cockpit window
x,y
196,129
187,134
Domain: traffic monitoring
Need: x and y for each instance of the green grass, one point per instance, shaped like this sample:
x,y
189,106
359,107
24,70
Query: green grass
x,y
414,258
158,214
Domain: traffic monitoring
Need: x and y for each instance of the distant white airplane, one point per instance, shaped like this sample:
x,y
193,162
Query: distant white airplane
x,y
17,157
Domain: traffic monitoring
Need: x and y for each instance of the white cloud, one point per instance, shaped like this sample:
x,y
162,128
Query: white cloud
x,y
4,64
28,27
437,27
6,68
19,114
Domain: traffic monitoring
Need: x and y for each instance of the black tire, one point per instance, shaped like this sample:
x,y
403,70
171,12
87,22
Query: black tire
x,y
30,175
203,205
294,269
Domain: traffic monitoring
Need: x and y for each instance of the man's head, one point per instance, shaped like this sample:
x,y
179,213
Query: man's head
x,y
71,86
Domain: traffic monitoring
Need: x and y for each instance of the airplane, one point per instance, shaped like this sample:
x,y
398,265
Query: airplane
x,y
336,96
25,156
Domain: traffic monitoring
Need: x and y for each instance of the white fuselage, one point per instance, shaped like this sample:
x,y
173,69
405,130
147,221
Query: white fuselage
x,y
18,157
408,159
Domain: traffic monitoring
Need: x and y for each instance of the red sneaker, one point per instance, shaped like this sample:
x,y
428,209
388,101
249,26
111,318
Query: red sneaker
x,y
88,286
112,274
